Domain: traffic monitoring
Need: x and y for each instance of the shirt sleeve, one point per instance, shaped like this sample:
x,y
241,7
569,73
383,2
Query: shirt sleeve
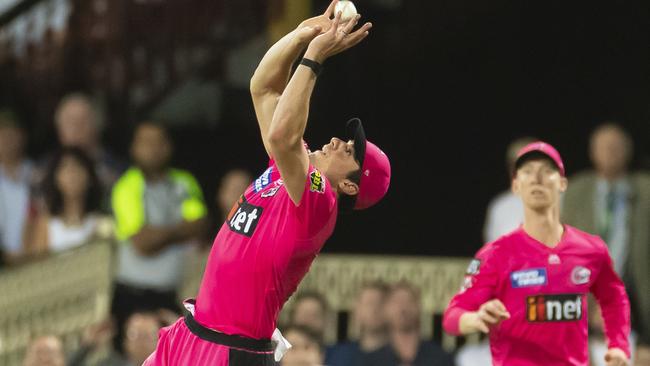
x,y
610,293
317,205
479,286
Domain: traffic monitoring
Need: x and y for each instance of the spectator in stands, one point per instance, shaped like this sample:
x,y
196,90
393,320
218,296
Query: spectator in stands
x,y
612,202
233,184
79,124
306,347
45,351
72,195
406,346
158,211
97,340
310,309
505,212
370,324
15,178
141,335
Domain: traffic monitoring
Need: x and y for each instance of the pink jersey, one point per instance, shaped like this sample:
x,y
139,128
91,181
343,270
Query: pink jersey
x,y
262,252
545,290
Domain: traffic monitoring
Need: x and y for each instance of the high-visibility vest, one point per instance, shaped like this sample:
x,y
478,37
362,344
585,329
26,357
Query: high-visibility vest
x,y
128,200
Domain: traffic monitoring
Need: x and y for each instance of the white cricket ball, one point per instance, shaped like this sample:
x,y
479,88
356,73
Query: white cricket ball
x,y
347,9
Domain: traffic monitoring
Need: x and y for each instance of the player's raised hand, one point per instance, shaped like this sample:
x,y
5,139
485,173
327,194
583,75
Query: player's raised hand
x,y
338,38
616,357
314,26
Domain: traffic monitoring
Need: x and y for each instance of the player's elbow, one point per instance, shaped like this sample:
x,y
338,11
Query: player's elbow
x,y
254,86
281,137
257,86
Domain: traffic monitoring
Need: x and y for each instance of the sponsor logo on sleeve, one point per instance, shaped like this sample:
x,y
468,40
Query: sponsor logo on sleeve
x,y
473,267
554,308
528,277
263,181
468,282
243,217
580,275
317,183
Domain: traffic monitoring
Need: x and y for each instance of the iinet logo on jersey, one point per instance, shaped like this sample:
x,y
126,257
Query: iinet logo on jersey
x,y
243,217
554,308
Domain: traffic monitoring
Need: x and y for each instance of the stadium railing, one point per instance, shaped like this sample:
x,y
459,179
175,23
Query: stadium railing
x,y
60,295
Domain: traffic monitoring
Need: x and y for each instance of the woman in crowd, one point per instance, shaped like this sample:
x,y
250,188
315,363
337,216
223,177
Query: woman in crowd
x,y
72,196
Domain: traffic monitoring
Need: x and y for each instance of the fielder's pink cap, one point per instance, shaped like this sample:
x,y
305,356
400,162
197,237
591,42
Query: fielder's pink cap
x,y
542,148
375,167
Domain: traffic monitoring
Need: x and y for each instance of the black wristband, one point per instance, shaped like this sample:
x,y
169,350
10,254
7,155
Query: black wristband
x,y
313,65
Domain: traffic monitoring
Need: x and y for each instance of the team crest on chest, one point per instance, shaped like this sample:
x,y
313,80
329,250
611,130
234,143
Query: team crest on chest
x,y
580,275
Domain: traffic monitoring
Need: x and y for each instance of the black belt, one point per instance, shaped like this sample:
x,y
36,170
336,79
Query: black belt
x,y
233,341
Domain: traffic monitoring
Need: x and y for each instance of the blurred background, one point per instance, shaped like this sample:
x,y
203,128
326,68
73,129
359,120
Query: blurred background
x,y
444,87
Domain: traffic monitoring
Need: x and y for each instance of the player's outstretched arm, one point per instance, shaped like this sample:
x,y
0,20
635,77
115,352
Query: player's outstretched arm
x,y
272,74
290,118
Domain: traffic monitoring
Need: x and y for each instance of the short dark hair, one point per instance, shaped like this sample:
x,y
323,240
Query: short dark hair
x,y
53,196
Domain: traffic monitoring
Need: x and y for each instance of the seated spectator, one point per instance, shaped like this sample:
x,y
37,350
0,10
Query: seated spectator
x,y
406,347
231,187
369,321
72,196
310,309
141,336
78,124
158,211
233,184
15,178
45,351
306,347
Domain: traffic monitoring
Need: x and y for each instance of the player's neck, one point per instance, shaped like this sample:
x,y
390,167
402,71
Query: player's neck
x,y
544,226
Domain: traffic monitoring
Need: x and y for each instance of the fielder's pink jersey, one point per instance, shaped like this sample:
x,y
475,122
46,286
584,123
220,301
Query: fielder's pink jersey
x,y
262,252
545,290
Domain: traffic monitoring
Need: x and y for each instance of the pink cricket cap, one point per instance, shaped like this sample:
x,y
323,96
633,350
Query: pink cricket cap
x,y
542,148
375,167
